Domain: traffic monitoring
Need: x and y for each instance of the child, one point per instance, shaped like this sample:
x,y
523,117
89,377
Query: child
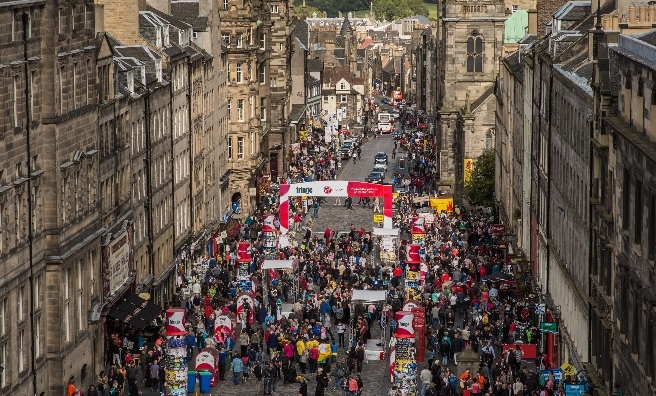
x,y
246,370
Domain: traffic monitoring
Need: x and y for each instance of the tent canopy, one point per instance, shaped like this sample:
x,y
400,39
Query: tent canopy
x,y
278,264
134,311
386,231
369,295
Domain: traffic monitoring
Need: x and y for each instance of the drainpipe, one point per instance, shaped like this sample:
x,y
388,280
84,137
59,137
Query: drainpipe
x,y
30,230
192,165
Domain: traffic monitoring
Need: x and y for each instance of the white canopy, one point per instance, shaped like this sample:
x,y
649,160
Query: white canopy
x,y
386,232
369,295
278,264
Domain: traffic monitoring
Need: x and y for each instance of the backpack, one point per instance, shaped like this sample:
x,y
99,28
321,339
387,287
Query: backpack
x,y
340,372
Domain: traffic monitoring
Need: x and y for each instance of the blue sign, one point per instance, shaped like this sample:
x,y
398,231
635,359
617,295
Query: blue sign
x,y
575,389
557,373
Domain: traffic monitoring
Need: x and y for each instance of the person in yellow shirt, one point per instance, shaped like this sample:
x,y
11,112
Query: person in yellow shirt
x,y
300,346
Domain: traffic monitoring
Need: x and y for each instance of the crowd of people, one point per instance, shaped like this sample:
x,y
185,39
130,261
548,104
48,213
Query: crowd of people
x,y
321,341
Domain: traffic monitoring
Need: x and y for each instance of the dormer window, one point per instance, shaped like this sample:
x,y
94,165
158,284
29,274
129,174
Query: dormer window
x,y
131,82
158,70
342,86
158,39
166,36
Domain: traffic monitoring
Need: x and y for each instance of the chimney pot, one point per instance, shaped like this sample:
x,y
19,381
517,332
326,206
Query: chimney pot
x,y
632,13
642,13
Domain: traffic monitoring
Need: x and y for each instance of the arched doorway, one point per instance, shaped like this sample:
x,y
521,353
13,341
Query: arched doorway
x,y
236,203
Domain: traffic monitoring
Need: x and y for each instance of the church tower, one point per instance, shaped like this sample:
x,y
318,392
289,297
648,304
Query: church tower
x,y
467,68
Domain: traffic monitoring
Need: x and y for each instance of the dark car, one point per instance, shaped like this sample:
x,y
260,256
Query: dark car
x,y
375,177
380,158
386,100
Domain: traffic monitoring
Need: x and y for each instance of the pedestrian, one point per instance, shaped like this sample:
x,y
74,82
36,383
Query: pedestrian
x,y
237,369
102,382
154,375
322,383
302,390
259,374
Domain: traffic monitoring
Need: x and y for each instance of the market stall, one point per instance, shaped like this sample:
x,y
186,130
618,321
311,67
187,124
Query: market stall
x,y
269,234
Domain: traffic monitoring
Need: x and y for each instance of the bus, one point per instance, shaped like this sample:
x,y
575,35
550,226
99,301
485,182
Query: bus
x,y
385,117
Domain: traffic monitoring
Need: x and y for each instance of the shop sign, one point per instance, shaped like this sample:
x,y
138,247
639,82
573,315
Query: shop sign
x,y
468,167
549,327
378,218
118,261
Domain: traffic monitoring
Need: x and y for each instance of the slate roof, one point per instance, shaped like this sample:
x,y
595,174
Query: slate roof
x,y
336,74
515,66
340,53
302,32
314,65
420,18
649,38
189,12
172,20
346,27
481,99
298,110
140,52
573,11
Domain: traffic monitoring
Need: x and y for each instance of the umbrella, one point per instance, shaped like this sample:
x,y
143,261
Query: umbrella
x,y
498,276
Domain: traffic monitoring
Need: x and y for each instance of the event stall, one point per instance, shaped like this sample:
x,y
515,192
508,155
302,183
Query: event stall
x,y
244,260
375,348
270,241
269,268
175,352
413,282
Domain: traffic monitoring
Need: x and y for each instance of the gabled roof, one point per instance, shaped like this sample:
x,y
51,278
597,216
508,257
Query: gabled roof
x,y
481,99
332,76
165,19
366,43
346,27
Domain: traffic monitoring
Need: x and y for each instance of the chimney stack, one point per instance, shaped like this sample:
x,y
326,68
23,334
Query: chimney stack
x,y
533,22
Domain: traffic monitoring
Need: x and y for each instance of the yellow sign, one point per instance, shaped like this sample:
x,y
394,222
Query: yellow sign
x,y
412,276
442,204
378,218
568,370
418,238
468,168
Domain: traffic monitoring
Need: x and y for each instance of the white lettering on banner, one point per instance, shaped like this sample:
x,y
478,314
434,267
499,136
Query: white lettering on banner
x,y
118,262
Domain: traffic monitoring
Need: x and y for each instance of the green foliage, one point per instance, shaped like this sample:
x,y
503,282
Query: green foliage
x,y
480,190
333,7
308,11
396,9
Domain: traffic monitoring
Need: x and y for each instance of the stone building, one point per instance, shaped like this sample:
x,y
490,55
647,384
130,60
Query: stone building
x,y
283,23
471,38
49,161
628,142
341,90
203,16
246,30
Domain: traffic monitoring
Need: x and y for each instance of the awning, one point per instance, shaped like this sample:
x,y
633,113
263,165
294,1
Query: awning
x,y
278,264
369,295
134,311
386,231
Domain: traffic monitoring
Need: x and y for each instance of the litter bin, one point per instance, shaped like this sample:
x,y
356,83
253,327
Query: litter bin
x,y
191,381
205,379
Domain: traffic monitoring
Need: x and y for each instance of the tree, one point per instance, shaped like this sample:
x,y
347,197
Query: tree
x,y
417,7
308,11
479,191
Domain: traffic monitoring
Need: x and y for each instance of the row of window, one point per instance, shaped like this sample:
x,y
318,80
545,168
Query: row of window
x,y
241,115
240,74
638,212
274,9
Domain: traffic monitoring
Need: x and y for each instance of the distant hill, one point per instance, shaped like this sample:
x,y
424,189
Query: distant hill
x,y
333,7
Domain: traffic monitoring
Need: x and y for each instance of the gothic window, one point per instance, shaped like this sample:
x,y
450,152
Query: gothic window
x,y
475,53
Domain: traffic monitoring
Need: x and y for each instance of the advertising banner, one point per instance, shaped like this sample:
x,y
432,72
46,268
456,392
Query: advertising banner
x,y
205,362
245,306
269,223
418,226
244,252
412,254
468,167
442,204
404,327
175,321
117,262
